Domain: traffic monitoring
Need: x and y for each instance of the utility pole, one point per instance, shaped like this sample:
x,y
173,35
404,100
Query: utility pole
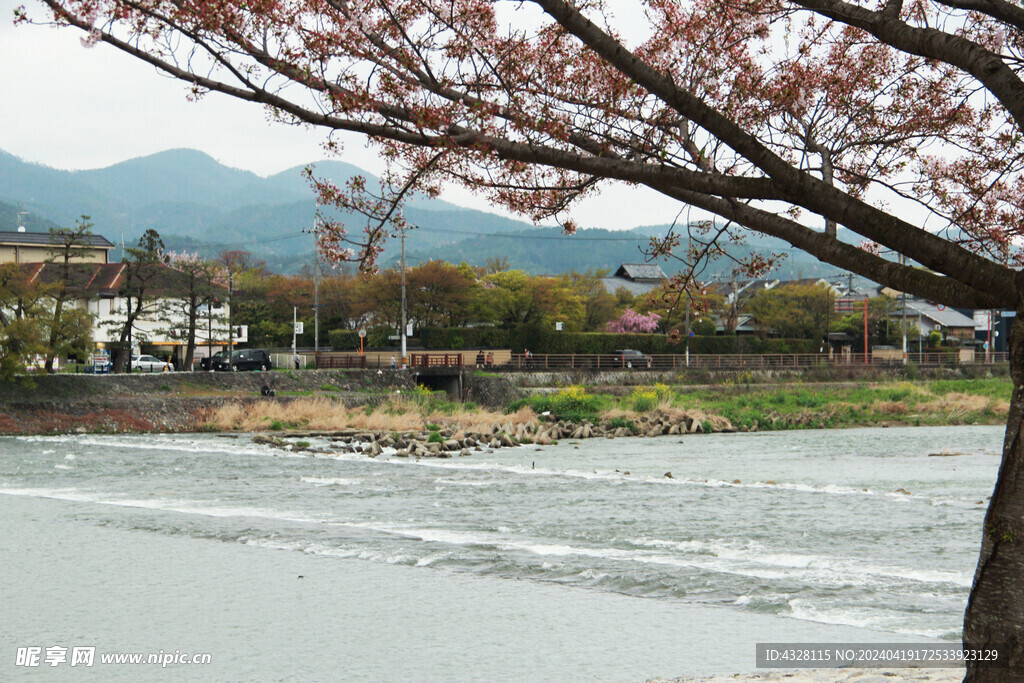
x,y
209,331
403,331
686,289
316,298
231,330
903,296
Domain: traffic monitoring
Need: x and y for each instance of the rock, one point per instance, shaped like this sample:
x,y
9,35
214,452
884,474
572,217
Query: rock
x,y
452,445
375,449
736,481
903,491
506,441
464,452
667,475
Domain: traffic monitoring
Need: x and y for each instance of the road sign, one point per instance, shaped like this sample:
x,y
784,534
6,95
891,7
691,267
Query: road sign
x,y
362,333
298,328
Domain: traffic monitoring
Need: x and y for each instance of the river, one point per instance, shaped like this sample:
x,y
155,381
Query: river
x,y
591,560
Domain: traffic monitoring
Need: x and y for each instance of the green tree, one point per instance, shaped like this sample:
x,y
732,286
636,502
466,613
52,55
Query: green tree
x,y
198,285
794,311
144,265
599,305
70,329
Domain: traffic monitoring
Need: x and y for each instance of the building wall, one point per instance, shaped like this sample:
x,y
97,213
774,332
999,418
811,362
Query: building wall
x,y
26,253
154,329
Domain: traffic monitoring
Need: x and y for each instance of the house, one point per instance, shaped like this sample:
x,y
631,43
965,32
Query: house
x,y
99,289
35,247
636,278
949,321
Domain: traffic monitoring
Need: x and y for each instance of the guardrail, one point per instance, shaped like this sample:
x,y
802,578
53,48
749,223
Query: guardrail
x,y
333,362
668,361
435,360
571,361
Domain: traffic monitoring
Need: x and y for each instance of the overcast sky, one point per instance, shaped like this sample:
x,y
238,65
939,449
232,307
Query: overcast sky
x,y
69,107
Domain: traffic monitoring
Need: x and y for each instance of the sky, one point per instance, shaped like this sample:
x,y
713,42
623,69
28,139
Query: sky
x,y
70,107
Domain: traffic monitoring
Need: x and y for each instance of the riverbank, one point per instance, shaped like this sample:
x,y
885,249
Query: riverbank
x,y
389,402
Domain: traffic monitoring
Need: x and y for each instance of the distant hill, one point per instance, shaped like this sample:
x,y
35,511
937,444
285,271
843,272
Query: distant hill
x,y
197,203
11,220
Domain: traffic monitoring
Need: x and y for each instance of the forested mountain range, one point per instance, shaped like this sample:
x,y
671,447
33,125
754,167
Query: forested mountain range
x,y
198,204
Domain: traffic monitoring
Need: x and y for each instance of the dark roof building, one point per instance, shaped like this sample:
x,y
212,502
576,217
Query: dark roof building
x,y
36,247
636,278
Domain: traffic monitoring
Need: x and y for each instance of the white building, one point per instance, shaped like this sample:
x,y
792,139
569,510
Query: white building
x,y
100,289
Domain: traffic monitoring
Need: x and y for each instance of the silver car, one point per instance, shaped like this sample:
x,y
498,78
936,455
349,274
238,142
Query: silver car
x,y
150,364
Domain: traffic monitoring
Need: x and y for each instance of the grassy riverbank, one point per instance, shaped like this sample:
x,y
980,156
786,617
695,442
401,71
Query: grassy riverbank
x,y
727,406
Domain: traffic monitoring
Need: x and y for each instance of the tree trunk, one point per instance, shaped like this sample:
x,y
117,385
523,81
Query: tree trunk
x,y
995,610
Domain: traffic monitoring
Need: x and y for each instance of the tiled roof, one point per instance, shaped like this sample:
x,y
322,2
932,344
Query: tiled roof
x,y
641,271
946,317
92,279
611,284
43,239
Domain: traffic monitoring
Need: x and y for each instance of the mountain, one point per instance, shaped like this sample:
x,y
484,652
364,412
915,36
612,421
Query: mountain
x,y
12,217
198,204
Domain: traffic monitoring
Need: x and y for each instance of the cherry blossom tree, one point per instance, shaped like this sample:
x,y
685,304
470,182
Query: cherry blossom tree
x,y
900,122
632,322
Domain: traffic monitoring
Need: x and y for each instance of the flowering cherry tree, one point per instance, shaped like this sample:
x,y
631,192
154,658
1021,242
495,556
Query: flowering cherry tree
x,y
631,322
902,122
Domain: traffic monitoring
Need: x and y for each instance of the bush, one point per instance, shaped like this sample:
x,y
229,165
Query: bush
x,y
643,400
571,403
617,422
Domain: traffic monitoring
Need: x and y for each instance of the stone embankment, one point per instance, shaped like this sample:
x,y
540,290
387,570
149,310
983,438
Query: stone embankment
x,y
449,442
170,402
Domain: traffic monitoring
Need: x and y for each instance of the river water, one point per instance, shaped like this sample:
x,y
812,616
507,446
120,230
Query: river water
x,y
857,534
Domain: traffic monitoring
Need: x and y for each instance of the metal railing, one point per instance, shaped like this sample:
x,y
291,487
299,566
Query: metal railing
x,y
333,361
435,360
778,361
660,362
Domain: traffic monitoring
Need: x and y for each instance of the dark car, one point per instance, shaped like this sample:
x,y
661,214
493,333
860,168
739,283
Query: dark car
x,y
631,358
246,359
208,363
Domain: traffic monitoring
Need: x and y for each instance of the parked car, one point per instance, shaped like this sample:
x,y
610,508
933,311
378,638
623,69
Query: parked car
x,y
150,364
208,362
246,359
631,358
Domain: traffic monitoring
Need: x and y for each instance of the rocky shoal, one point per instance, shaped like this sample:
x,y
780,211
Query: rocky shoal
x,y
447,442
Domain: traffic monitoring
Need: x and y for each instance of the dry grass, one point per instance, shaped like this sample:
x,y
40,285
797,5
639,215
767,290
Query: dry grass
x,y
956,406
890,407
327,414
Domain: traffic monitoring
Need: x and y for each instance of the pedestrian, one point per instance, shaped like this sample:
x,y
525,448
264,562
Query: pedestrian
x,y
297,360
480,359
394,364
